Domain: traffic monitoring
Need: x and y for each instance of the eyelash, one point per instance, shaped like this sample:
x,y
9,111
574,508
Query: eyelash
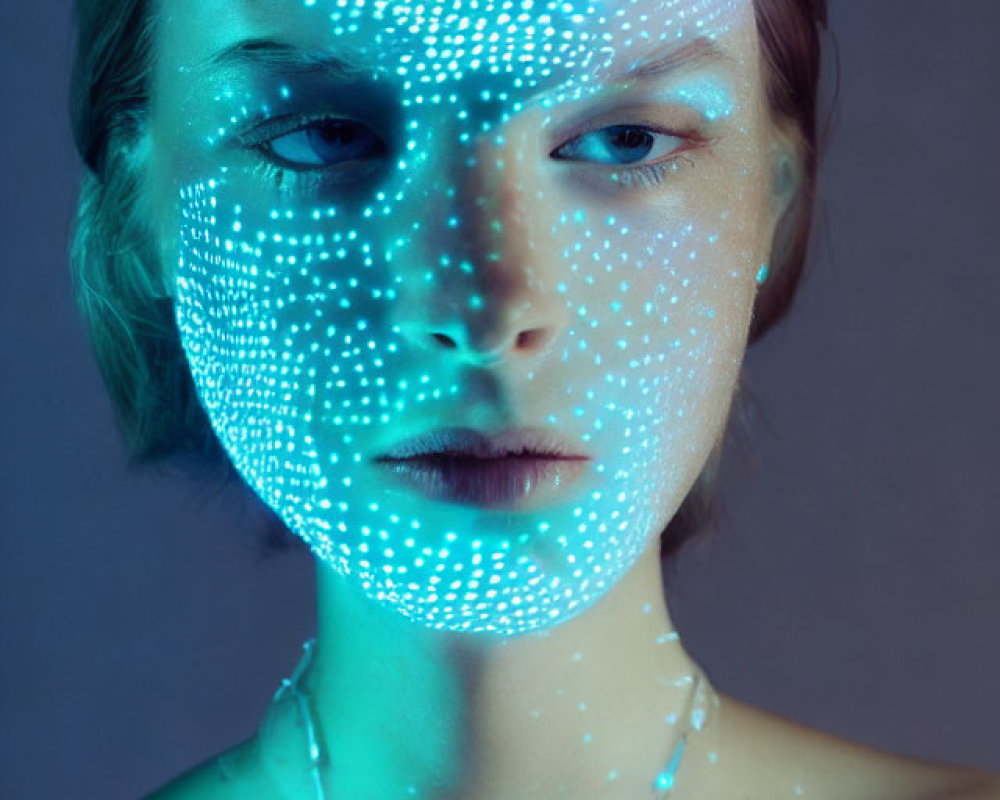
x,y
655,173
647,176
261,134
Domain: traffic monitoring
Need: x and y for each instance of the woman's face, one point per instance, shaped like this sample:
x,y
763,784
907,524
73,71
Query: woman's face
x,y
379,219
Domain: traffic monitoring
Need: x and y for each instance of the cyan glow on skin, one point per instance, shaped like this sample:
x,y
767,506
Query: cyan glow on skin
x,y
315,299
305,295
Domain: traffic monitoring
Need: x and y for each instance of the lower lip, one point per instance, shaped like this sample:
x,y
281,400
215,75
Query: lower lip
x,y
503,483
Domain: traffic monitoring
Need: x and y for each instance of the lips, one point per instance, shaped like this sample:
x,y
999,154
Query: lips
x,y
513,469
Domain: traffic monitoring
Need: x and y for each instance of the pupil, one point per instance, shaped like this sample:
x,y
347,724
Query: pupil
x,y
336,140
626,140
334,133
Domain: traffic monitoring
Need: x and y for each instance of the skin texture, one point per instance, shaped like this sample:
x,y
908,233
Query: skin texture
x,y
489,265
489,260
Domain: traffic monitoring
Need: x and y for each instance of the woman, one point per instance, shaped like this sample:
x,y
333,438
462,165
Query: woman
x,y
463,292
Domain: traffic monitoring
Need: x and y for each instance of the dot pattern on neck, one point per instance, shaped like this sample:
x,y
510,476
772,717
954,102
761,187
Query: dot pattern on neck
x,y
303,307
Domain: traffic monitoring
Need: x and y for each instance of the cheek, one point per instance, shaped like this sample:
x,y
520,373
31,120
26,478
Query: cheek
x,y
289,317
662,299
287,323
667,283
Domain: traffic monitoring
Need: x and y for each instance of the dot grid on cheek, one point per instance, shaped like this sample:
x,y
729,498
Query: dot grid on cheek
x,y
290,319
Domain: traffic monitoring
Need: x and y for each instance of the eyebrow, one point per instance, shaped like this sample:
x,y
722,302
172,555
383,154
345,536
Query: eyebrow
x,y
282,56
695,53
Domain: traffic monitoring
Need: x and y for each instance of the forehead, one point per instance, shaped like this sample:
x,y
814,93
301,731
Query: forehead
x,y
538,43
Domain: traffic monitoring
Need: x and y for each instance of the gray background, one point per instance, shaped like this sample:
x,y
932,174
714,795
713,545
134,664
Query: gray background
x,y
855,585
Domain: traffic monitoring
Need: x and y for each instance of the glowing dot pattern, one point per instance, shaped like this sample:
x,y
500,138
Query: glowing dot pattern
x,y
300,313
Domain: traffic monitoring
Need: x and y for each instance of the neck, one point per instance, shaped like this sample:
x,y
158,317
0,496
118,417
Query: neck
x,y
590,708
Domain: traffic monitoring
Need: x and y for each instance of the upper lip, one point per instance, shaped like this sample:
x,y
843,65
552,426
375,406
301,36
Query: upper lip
x,y
528,442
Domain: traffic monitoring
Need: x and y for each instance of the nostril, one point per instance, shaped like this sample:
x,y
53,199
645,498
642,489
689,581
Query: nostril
x,y
447,341
530,339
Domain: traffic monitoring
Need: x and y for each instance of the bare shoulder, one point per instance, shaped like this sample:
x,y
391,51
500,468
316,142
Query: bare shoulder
x,y
783,758
234,773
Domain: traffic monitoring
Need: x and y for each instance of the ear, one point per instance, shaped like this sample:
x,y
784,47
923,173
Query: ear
x,y
786,173
786,176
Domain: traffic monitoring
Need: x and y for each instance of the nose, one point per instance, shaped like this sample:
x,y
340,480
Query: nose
x,y
525,341
491,296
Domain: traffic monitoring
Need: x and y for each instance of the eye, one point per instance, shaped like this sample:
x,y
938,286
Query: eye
x,y
619,145
322,143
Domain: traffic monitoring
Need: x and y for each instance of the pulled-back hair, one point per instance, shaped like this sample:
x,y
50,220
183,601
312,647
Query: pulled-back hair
x,y
117,274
